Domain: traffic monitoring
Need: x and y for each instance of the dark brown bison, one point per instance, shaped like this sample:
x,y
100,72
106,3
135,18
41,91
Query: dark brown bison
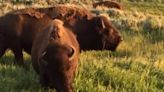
x,y
17,32
55,54
93,32
109,4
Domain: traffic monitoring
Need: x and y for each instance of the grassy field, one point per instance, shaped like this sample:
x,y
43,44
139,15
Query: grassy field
x,y
136,66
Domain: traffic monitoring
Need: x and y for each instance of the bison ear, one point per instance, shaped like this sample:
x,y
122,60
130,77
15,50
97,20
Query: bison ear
x,y
98,22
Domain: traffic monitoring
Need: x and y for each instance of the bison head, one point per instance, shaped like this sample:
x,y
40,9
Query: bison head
x,y
109,36
57,62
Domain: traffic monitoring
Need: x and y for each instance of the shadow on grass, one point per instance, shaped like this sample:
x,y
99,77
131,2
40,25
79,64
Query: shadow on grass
x,y
130,65
17,79
9,60
108,54
154,36
121,53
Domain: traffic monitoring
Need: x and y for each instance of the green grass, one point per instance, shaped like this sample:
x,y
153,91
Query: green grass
x,y
136,66
146,7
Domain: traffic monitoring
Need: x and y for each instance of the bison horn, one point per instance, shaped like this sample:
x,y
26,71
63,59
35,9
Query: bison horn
x,y
98,20
51,28
44,53
43,62
102,23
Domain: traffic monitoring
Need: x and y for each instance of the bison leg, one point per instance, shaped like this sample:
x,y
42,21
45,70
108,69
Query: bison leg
x,y
2,51
18,57
2,48
17,50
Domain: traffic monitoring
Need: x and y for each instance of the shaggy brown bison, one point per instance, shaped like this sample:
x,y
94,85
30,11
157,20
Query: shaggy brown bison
x,y
109,4
55,54
17,32
93,32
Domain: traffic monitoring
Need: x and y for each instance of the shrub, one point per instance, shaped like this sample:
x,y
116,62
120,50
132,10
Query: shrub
x,y
150,24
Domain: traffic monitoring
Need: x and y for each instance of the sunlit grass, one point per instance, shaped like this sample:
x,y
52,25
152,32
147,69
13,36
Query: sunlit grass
x,y
146,7
136,66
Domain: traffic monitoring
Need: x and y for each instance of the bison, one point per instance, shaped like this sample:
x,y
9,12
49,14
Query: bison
x,y
17,32
109,4
55,54
19,28
93,32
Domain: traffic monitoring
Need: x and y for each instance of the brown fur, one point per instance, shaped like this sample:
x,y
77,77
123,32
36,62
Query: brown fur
x,y
93,32
28,11
66,12
17,32
51,58
109,4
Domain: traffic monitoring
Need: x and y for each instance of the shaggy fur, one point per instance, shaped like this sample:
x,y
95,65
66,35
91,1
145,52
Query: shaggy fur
x,y
109,4
17,32
93,32
55,56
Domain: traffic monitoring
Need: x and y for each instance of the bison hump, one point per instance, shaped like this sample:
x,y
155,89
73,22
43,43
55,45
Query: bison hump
x,y
29,11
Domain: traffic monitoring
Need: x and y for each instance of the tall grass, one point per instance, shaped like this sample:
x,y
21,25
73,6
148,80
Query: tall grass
x,y
136,66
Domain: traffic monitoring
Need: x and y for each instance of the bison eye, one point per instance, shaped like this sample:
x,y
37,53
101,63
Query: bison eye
x,y
71,52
